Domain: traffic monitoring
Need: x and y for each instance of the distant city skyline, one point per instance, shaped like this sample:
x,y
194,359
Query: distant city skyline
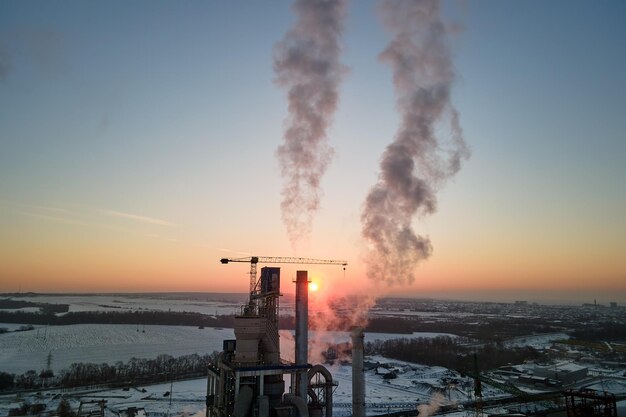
x,y
138,146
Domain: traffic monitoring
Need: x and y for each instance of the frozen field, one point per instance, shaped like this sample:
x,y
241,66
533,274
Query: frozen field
x,y
99,343
129,302
21,351
536,341
415,384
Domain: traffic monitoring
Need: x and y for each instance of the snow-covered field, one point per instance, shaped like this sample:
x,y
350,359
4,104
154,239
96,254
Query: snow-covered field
x,y
187,399
404,313
413,386
100,343
11,327
535,341
21,351
121,302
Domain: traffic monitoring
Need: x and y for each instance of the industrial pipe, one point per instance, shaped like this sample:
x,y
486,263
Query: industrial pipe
x,y
302,335
328,386
358,373
299,403
243,402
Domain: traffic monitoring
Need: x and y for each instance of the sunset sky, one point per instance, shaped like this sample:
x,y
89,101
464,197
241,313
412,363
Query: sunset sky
x,y
138,146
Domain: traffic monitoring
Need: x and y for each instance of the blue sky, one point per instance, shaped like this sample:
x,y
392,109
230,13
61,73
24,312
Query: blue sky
x,y
168,111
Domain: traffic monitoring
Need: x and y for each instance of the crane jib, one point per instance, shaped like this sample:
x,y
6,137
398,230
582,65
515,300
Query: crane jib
x,y
284,260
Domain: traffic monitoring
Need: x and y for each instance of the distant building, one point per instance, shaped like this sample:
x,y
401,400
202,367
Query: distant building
x,y
613,304
566,372
521,302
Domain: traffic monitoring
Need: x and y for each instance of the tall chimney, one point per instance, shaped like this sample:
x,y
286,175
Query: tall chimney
x,y
358,374
302,335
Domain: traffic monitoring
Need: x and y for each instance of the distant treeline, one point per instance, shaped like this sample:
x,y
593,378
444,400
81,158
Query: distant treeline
x,y
134,372
608,332
449,353
7,303
375,325
170,318
480,328
488,328
175,318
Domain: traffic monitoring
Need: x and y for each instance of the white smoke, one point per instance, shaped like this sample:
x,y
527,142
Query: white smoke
x,y
436,401
307,65
418,162
189,411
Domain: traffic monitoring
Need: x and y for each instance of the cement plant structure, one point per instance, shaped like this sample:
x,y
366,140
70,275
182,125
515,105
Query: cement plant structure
x,y
248,379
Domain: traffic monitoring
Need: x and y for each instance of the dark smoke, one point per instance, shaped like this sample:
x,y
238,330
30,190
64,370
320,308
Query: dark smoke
x,y
417,163
307,65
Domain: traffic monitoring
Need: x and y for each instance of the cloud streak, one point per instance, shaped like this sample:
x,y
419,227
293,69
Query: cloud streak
x,y
86,216
139,218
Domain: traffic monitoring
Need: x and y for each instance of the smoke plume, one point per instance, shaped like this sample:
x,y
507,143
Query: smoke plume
x,y
417,163
427,410
307,65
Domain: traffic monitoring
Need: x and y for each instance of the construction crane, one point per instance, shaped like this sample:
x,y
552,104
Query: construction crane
x,y
254,260
478,391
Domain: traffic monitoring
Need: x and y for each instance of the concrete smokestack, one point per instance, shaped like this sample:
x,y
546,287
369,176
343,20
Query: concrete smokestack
x,y
302,330
358,373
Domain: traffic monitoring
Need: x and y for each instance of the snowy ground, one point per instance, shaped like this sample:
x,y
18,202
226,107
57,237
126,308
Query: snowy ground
x,y
186,399
100,343
120,302
425,314
615,386
535,341
20,351
412,387
11,327
415,385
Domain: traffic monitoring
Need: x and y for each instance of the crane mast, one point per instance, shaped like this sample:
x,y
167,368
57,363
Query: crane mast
x,y
248,377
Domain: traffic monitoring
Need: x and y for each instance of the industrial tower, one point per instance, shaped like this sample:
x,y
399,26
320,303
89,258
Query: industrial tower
x,y
248,380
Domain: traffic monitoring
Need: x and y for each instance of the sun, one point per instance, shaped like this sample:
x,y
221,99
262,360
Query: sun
x,y
313,287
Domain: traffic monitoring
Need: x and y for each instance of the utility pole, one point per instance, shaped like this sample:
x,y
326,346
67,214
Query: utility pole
x,y
171,387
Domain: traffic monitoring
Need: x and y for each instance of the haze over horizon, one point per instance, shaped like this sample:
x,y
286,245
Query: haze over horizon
x,y
138,147
574,298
